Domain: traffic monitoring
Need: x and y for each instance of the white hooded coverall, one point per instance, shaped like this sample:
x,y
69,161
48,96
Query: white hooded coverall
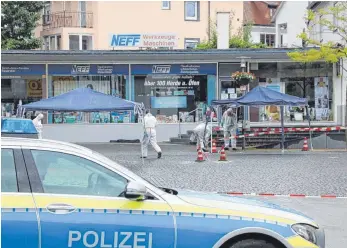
x,y
229,124
38,125
198,132
150,135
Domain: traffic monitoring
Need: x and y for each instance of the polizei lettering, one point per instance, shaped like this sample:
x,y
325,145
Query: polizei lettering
x,y
92,239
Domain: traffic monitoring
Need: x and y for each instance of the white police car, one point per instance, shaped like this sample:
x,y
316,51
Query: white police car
x,y
56,194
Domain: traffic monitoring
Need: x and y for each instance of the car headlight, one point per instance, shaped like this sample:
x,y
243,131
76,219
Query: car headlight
x,y
306,231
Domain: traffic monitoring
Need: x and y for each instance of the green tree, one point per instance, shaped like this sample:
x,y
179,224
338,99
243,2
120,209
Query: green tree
x,y
241,39
332,18
18,21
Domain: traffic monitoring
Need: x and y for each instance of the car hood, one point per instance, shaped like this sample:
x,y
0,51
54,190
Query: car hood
x,y
224,201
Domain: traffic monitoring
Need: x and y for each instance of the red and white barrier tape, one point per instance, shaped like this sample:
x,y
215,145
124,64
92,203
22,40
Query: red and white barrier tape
x,y
286,130
290,195
300,129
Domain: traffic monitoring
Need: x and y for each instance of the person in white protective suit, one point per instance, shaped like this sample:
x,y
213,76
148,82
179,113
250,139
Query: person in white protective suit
x,y
201,135
38,125
150,135
229,124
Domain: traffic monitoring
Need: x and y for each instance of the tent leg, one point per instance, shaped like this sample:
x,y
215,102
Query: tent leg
x,y
309,126
282,125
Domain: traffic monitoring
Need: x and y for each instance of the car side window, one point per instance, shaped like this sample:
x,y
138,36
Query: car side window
x,y
8,171
62,173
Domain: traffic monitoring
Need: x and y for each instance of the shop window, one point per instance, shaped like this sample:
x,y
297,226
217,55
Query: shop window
x,y
110,84
74,41
191,43
26,89
268,39
306,80
192,9
171,96
165,5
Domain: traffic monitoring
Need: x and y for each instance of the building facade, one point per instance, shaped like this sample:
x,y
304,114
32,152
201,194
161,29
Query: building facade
x,y
289,25
173,84
104,25
259,15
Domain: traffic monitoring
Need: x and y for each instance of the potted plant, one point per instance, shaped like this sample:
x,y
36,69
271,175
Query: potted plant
x,y
243,78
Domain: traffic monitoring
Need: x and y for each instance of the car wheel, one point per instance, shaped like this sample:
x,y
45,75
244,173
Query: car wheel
x,y
253,243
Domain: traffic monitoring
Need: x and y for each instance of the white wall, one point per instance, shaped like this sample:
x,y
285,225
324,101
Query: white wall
x,y
293,14
257,30
106,132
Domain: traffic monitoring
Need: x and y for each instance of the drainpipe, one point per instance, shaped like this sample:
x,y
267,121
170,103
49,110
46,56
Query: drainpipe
x,y
209,19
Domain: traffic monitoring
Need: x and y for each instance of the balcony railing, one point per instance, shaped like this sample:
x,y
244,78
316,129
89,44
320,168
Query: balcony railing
x,y
67,19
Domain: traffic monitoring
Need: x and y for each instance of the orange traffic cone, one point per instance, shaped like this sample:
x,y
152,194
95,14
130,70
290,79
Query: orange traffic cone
x,y
305,146
200,157
223,156
214,147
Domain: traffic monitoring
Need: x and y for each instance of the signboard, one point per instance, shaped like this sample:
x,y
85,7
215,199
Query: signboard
x,y
22,70
175,69
169,102
34,88
151,40
88,69
321,93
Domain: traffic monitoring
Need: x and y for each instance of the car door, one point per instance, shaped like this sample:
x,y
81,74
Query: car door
x,y
19,224
80,205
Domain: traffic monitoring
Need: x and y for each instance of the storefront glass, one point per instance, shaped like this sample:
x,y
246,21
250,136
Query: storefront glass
x,y
21,83
306,80
107,79
174,92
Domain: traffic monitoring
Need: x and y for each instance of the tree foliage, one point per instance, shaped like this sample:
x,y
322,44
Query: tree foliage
x,y
18,21
330,19
242,39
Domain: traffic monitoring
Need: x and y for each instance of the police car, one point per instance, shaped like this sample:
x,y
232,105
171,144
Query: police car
x,y
57,194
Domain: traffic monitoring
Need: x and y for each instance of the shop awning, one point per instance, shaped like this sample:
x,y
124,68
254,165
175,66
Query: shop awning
x,y
264,96
83,100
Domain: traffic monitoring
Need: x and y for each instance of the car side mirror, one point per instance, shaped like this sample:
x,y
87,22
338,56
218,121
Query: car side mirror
x,y
135,191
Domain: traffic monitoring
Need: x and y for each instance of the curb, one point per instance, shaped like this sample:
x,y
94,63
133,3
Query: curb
x,y
290,195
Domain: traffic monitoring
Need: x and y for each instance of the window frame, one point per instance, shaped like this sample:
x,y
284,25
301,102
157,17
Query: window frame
x,y
191,40
36,183
268,35
197,11
23,185
168,7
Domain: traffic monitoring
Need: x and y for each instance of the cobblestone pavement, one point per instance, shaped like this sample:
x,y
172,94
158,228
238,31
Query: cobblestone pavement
x,y
310,173
294,172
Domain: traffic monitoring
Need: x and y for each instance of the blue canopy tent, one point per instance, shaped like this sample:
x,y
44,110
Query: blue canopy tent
x,y
83,100
261,96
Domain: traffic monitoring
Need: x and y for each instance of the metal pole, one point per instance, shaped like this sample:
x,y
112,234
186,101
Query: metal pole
x,y
309,126
282,125
179,125
211,128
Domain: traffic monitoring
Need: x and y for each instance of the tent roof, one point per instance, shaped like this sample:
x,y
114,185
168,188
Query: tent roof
x,y
264,96
82,100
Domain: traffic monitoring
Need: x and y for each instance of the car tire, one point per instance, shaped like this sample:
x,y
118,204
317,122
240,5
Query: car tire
x,y
253,243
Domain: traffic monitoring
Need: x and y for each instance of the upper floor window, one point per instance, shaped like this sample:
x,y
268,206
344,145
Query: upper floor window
x,y
165,5
267,39
191,43
47,12
191,10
